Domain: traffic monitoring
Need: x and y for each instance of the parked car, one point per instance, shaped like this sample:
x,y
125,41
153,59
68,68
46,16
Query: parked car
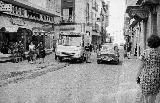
x,y
108,53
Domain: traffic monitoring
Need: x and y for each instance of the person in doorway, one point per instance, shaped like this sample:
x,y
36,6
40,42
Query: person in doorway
x,y
125,50
32,51
41,50
149,71
88,50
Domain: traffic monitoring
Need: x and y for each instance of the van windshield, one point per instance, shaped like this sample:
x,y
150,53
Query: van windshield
x,y
70,41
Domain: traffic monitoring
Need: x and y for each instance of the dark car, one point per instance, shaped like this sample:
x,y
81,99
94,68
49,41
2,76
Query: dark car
x,y
108,53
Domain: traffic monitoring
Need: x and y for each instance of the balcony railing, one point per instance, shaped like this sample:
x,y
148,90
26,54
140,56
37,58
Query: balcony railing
x,y
68,21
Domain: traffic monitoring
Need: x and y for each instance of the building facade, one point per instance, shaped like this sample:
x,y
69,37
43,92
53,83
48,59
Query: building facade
x,y
28,20
84,16
144,21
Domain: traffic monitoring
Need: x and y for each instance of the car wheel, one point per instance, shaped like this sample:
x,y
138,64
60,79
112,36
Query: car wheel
x,y
56,57
60,59
82,59
117,62
98,62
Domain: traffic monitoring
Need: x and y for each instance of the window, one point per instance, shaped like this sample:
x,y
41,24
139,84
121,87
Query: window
x,y
92,15
87,12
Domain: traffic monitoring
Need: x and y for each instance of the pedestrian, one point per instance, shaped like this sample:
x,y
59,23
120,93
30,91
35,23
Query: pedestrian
x,y
116,50
21,50
129,50
15,52
41,50
88,50
32,51
149,71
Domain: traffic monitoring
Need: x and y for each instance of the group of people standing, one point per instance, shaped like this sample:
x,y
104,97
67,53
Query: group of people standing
x,y
36,51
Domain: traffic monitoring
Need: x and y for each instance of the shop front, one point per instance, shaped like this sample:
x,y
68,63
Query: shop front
x,y
44,35
14,29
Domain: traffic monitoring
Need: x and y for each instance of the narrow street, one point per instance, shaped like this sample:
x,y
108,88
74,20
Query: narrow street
x,y
73,83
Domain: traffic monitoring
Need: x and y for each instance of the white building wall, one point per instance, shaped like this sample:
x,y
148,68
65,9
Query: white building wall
x,y
80,11
40,3
55,5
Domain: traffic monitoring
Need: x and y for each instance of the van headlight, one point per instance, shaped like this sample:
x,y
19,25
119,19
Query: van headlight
x,y
98,53
77,50
78,54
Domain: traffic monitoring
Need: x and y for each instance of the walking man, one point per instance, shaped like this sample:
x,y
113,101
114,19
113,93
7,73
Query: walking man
x,y
88,50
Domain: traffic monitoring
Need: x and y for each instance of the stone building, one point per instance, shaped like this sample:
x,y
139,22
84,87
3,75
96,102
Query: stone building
x,y
28,20
144,21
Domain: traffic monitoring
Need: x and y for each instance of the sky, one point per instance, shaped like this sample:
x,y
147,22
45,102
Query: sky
x,y
116,20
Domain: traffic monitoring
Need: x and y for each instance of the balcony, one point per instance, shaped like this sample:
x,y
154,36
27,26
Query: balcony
x,y
67,21
95,6
96,28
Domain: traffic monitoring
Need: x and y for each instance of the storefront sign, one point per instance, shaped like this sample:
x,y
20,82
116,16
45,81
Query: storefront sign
x,y
67,28
17,21
6,7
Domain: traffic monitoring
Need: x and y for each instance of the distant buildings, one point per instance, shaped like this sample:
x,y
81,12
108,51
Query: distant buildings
x,y
86,16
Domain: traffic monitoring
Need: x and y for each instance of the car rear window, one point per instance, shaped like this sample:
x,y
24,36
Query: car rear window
x,y
107,48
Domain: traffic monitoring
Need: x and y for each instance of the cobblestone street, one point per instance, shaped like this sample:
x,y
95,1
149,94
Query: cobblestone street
x,y
75,83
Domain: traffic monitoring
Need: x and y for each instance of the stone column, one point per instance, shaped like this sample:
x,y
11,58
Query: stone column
x,y
158,20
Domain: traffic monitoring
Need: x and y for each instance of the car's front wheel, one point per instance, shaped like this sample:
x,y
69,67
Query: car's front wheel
x,y
117,62
56,57
98,62
60,59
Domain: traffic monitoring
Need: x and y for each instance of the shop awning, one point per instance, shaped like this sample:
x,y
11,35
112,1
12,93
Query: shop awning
x,y
43,29
138,12
133,24
143,2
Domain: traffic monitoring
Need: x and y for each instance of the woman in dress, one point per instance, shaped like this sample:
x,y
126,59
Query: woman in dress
x,y
41,50
149,72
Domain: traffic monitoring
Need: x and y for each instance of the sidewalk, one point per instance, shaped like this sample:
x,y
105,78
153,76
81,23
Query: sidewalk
x,y
9,69
129,90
